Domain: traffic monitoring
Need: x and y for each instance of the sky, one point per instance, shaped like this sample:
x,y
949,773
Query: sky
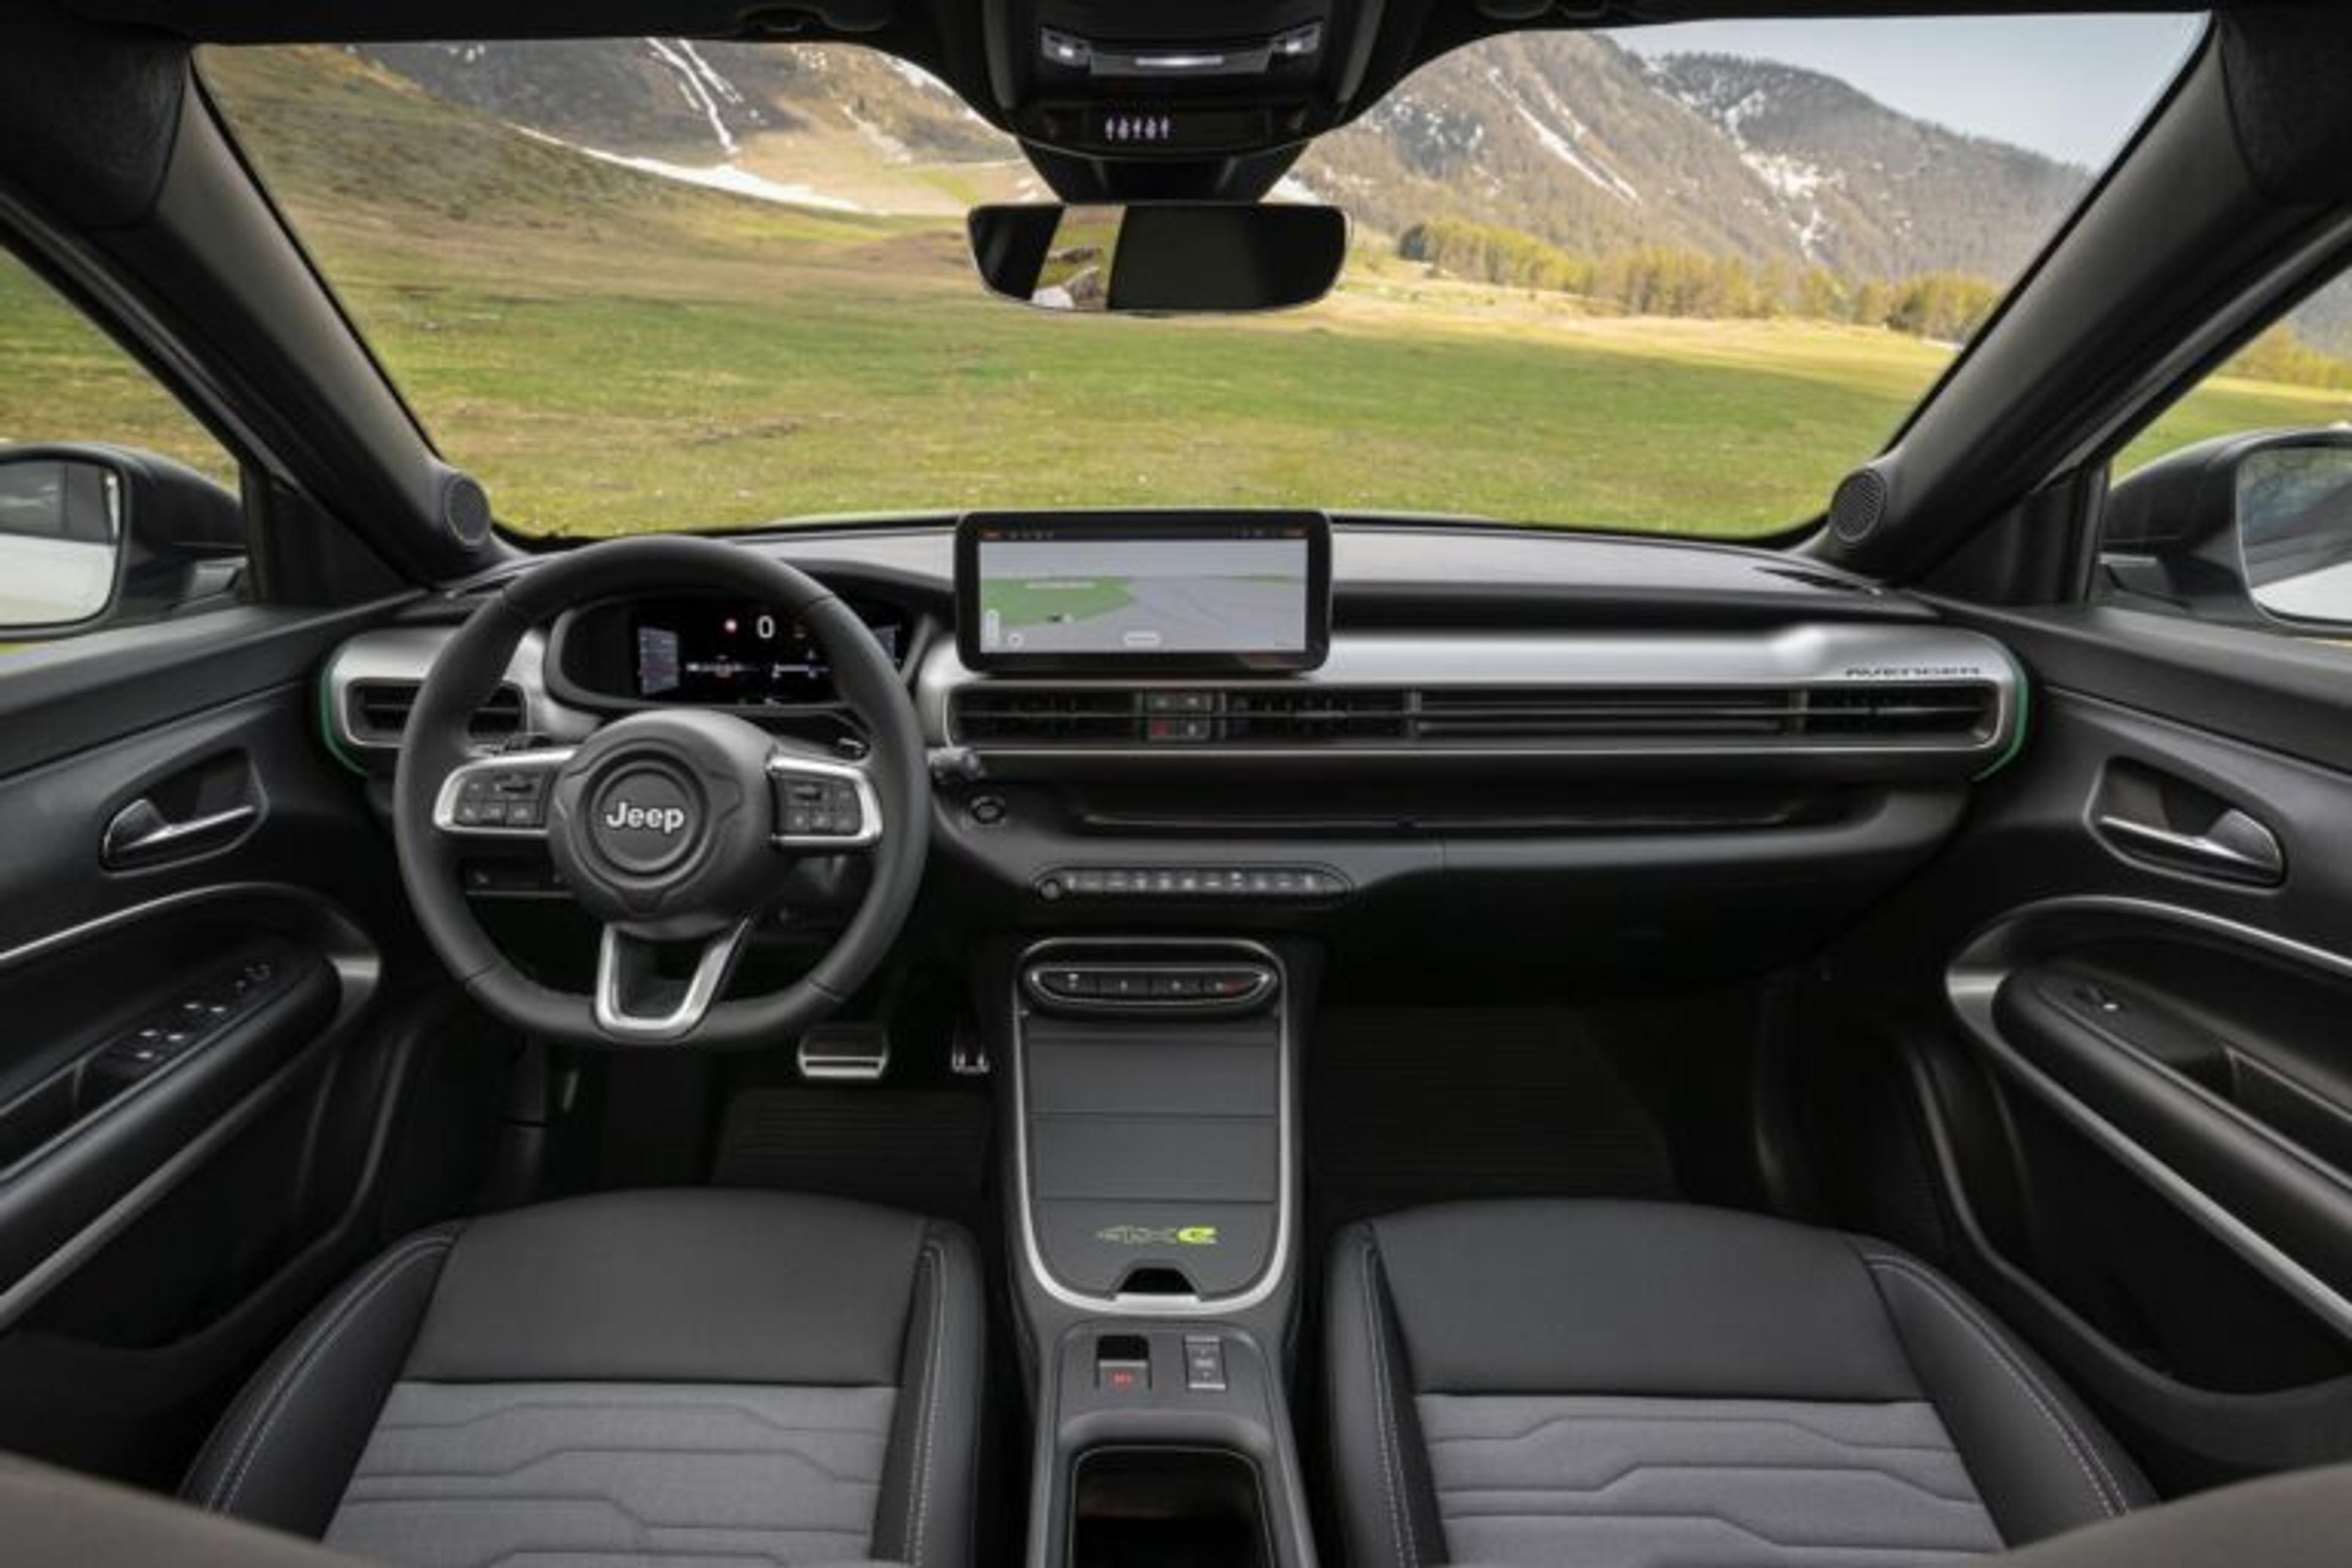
x,y
2071,87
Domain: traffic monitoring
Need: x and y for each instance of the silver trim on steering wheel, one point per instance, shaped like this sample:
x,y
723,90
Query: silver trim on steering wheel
x,y
710,972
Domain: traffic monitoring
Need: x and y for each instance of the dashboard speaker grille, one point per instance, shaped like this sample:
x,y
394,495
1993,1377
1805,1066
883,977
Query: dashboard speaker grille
x,y
1857,506
466,510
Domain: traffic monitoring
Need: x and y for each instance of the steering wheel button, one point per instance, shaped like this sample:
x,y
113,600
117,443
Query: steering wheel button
x,y
797,820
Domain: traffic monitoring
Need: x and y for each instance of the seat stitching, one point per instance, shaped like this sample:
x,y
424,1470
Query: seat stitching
x,y
1392,1441
240,1456
274,1404
2105,1489
919,1493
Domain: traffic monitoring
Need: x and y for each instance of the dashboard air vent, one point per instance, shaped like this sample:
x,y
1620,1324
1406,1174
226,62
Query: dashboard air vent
x,y
1473,718
378,711
1960,709
1294,718
1030,716
1604,714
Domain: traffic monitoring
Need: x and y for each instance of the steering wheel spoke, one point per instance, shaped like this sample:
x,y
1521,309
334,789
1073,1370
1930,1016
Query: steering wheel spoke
x,y
822,805
636,1003
500,796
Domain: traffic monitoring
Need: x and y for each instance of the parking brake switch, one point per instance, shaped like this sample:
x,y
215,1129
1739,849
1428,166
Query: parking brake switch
x,y
1123,1363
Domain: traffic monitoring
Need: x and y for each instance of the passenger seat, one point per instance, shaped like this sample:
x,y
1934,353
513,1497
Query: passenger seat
x,y
1624,1384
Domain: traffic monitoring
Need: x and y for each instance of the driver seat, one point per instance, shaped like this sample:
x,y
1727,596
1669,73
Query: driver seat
x,y
631,1378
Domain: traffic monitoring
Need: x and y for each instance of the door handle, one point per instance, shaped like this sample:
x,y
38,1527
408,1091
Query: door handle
x,y
2234,847
141,834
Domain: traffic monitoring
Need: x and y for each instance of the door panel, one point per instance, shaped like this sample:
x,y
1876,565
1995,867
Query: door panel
x,y
213,1007
2118,1014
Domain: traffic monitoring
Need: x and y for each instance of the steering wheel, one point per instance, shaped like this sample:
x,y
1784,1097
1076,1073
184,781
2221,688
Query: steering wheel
x,y
670,826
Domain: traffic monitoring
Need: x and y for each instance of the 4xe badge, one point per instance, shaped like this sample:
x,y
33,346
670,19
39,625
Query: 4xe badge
x,y
1158,1235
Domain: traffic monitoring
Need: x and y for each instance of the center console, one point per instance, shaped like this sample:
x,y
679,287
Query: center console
x,y
1155,1188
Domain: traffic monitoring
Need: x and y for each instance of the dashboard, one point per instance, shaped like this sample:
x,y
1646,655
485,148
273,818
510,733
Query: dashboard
x,y
1427,742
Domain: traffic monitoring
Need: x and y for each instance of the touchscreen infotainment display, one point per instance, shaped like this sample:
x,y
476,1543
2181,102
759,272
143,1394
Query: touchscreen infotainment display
x,y
1131,590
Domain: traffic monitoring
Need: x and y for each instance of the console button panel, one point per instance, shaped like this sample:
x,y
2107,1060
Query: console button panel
x,y
1206,882
1087,984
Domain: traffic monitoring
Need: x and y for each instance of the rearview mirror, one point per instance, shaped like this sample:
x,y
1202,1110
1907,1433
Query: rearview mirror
x,y
1167,258
60,543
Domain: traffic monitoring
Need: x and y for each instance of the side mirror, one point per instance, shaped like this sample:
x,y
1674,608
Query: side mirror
x,y
92,535
2294,529
1166,258
2255,528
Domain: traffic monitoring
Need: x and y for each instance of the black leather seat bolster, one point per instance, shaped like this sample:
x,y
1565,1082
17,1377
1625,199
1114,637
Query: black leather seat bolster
x,y
2041,1462
282,1453
1674,1302
1386,1498
929,1509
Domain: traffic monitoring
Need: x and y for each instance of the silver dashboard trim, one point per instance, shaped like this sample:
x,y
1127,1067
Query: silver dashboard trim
x,y
1278,1260
407,654
1828,655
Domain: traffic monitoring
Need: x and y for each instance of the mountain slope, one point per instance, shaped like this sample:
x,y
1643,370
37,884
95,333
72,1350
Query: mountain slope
x,y
1873,192
828,126
1564,135
1574,139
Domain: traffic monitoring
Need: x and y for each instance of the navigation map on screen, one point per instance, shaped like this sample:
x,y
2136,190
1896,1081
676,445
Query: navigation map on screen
x,y
1064,595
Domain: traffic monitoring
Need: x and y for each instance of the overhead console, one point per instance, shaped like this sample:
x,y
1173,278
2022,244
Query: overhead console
x,y
1140,79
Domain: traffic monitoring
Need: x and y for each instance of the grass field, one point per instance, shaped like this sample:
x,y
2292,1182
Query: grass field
x,y
612,353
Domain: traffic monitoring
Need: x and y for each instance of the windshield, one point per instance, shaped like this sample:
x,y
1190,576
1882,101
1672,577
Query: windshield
x,y
1674,278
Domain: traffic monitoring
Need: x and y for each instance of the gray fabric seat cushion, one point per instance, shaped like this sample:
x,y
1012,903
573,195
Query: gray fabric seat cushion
x,y
646,1378
1605,1481
1624,1385
460,1474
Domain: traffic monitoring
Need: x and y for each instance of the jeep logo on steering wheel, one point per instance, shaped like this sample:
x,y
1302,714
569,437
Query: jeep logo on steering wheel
x,y
664,820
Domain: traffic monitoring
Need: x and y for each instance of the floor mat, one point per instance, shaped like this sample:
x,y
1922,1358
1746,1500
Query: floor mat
x,y
923,1150
1408,1106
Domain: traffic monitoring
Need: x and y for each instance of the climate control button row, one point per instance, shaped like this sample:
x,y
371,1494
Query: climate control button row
x,y
1203,985
1190,882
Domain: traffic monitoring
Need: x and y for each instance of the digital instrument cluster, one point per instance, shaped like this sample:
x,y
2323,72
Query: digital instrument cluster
x,y
719,653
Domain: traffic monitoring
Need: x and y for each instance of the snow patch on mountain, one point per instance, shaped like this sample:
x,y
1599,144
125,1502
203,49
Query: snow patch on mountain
x,y
703,90
729,177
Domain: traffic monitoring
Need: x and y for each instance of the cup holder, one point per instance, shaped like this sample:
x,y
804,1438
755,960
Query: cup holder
x,y
1168,1507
